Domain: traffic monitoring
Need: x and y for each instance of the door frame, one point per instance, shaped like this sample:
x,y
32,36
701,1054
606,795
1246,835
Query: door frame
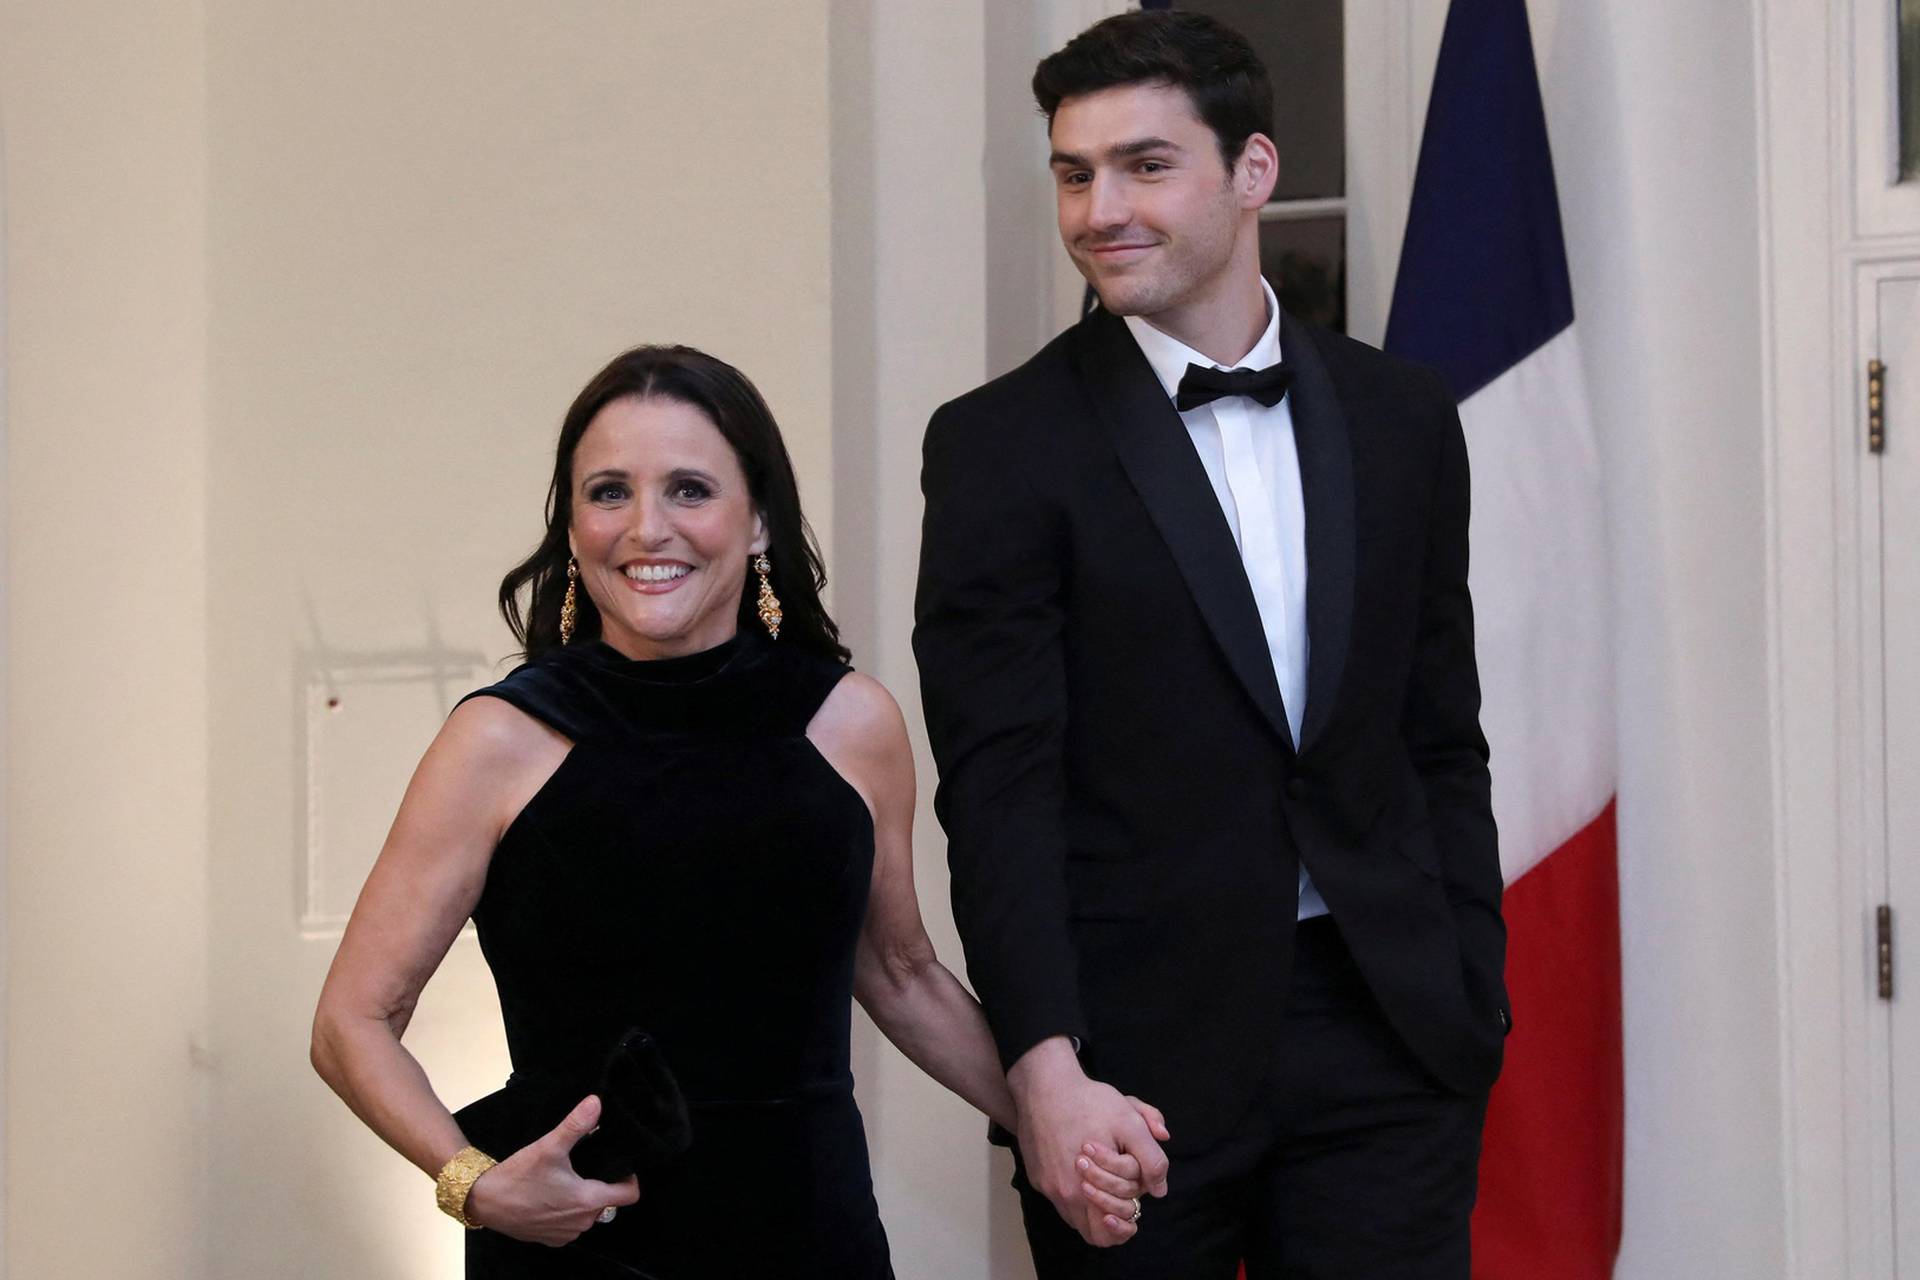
x,y
5,670
1822,75
1869,869
4,684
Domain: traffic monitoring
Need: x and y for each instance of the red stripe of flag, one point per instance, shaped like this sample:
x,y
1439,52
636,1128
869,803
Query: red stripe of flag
x,y
1549,1204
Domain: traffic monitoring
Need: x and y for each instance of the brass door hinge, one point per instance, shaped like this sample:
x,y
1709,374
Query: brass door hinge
x,y
1876,407
1883,948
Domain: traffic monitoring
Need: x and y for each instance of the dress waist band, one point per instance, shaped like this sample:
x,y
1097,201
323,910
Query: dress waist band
x,y
815,1091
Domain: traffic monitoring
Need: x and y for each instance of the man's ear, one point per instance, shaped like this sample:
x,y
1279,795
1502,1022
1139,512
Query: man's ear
x,y
1256,171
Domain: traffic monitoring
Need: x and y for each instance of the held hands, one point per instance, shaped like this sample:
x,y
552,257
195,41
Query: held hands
x,y
534,1194
1089,1149
1112,1182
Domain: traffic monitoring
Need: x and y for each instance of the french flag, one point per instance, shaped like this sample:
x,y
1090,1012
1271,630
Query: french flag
x,y
1483,295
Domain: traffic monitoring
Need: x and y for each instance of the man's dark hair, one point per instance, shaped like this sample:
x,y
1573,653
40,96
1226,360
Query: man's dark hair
x,y
1215,66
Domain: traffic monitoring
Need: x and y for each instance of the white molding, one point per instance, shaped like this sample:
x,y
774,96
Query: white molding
x,y
1865,873
1812,263
1904,247
5,739
1381,152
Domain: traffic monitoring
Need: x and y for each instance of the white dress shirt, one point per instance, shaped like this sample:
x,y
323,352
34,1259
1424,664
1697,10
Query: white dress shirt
x,y
1248,451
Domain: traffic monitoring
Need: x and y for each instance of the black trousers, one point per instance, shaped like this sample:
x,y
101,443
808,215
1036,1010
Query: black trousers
x,y
1355,1164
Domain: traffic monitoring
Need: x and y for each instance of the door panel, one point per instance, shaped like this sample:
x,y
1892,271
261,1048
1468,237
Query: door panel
x,y
1893,485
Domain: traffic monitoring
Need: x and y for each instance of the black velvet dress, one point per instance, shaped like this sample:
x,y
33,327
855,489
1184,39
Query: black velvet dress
x,y
694,868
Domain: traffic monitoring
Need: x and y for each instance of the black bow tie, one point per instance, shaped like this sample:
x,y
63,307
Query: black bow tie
x,y
1200,385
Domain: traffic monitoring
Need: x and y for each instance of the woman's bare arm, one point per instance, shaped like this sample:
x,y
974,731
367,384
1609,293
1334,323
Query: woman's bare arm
x,y
898,979
481,770
486,762
915,1001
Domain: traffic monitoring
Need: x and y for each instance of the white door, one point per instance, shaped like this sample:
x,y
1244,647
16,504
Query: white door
x,y
1891,504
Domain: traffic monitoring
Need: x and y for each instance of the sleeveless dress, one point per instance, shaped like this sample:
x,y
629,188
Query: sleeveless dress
x,y
694,868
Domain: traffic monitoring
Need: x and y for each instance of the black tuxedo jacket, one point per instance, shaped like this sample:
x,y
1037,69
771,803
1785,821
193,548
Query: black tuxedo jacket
x,y
1125,808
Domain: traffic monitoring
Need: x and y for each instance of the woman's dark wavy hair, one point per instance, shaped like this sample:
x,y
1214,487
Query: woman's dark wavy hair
x,y
1202,56
725,396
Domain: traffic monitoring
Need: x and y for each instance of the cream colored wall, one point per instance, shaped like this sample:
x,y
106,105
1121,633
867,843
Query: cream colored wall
x,y
431,223
102,108
911,327
296,296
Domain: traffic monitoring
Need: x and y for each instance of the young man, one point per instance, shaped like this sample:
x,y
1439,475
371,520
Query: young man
x,y
1197,656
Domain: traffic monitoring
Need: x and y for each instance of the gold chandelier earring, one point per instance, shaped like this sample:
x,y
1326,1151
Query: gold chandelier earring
x,y
769,603
568,602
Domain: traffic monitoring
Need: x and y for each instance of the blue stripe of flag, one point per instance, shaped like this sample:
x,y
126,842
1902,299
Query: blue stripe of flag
x,y
1483,269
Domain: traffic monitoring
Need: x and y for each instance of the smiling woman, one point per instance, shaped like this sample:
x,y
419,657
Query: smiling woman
x,y
667,459
684,833
663,527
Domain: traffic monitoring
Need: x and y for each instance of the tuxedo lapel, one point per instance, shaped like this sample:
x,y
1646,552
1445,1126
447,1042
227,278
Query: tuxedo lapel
x,y
1326,484
1158,458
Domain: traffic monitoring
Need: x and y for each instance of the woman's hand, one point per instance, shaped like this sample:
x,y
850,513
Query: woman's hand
x,y
1111,1181
534,1194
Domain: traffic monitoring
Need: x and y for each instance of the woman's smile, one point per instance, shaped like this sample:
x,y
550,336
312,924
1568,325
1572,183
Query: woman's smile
x,y
655,577
663,526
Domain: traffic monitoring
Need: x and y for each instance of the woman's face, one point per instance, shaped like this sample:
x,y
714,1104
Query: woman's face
x,y
663,527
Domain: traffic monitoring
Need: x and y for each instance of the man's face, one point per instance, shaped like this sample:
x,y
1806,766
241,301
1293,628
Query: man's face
x,y
1148,211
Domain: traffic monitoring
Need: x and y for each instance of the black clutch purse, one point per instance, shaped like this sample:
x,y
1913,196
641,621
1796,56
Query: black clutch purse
x,y
644,1125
